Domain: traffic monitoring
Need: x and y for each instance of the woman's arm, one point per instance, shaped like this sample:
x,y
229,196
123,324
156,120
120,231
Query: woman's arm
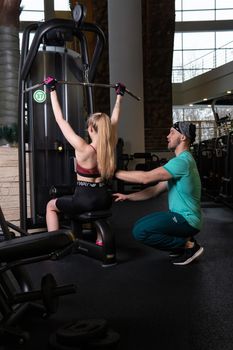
x,y
116,111
120,91
76,141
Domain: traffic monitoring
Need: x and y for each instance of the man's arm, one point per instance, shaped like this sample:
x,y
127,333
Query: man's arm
x,y
149,192
144,177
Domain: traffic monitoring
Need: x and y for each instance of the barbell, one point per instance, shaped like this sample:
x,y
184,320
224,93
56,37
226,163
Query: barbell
x,y
84,84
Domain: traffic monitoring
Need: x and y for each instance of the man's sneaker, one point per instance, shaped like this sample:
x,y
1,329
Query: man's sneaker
x,y
189,255
175,252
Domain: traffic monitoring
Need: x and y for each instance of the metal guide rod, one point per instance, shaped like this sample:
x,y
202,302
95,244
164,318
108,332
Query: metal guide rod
x,y
84,84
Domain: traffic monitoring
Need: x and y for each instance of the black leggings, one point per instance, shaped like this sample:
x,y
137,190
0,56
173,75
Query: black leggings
x,y
87,197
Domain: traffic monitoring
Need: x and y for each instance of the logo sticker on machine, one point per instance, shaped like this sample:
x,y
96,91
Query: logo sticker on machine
x,y
39,96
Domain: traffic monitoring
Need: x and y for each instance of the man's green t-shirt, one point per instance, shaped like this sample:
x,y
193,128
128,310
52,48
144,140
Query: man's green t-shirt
x,y
184,188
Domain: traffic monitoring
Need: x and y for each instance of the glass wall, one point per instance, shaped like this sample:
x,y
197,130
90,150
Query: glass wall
x,y
61,5
32,11
197,52
199,49
199,10
201,116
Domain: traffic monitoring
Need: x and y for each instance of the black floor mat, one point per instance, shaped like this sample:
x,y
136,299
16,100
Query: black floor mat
x,y
151,303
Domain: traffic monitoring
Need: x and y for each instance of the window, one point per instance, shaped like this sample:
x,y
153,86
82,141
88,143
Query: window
x,y
61,5
32,10
199,10
201,116
21,37
196,53
198,4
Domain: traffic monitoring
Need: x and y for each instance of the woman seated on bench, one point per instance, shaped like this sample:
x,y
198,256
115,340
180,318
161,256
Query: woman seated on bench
x,y
95,160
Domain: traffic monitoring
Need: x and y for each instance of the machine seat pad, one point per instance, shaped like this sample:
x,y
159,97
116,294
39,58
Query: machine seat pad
x,y
36,244
92,215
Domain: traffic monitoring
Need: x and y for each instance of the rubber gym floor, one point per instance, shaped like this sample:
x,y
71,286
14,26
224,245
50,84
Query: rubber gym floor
x,y
151,303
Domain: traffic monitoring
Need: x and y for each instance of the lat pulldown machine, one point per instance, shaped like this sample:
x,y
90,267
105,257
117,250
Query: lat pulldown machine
x,y
44,154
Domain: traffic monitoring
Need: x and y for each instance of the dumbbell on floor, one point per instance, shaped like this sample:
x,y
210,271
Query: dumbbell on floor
x,y
49,294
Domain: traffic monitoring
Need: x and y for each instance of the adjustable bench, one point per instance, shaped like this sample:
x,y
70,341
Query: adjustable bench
x,y
16,294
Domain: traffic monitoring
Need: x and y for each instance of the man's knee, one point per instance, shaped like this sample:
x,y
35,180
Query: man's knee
x,y
138,233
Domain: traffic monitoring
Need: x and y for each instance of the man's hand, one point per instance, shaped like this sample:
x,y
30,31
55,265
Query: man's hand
x,y
120,197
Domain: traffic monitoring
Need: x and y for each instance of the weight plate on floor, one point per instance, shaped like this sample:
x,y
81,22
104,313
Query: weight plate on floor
x,y
109,341
54,344
80,331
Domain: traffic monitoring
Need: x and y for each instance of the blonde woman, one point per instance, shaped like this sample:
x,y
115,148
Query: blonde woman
x,y
95,160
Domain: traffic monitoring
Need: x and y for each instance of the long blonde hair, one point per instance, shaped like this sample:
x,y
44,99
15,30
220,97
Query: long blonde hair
x,y
106,143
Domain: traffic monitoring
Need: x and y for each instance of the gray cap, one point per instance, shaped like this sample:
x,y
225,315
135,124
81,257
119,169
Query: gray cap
x,y
187,129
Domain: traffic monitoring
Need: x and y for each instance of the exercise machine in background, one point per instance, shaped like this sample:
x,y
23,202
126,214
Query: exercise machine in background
x,y
214,156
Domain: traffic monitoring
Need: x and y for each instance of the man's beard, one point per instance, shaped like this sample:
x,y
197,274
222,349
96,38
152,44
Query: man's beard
x,y
172,148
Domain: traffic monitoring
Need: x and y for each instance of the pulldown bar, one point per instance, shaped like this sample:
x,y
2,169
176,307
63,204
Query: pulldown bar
x,y
84,84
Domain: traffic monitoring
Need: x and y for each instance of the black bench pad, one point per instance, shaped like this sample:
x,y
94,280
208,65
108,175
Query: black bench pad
x,y
36,244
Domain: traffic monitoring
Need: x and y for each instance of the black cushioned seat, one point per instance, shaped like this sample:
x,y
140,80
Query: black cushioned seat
x,y
86,236
93,215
